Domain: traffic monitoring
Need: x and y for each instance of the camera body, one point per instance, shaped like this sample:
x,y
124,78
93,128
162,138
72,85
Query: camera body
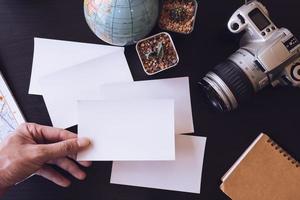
x,y
267,56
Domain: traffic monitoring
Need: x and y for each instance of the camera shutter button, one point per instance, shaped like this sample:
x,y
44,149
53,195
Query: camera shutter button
x,y
296,72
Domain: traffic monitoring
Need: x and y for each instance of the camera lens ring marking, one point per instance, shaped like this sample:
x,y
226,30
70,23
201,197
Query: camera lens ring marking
x,y
249,67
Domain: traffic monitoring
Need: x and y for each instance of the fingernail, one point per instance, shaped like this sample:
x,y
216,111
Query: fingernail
x,y
83,142
86,163
67,184
82,176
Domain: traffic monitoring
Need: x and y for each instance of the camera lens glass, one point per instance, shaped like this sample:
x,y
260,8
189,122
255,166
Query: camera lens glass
x,y
212,96
227,86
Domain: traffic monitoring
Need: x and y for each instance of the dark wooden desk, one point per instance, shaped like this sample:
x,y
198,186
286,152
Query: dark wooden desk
x,y
274,111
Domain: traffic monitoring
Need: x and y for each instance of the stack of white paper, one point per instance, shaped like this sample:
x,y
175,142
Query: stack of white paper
x,y
62,90
173,88
183,173
65,72
135,124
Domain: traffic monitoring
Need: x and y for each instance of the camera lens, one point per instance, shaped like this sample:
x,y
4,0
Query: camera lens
x,y
212,96
226,86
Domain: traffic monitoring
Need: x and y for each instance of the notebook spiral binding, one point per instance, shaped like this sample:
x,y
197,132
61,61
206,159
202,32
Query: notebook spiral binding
x,y
284,153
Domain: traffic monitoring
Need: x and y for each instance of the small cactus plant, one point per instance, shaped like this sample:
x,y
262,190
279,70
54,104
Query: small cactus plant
x,y
178,14
157,53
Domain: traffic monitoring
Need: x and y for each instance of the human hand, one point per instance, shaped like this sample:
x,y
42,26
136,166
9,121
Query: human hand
x,y
33,147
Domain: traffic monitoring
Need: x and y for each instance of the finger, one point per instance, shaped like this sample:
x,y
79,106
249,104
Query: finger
x,y
63,148
82,163
48,173
46,133
85,163
69,166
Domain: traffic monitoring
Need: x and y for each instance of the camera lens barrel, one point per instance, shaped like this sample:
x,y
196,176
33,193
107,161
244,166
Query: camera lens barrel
x,y
228,86
235,79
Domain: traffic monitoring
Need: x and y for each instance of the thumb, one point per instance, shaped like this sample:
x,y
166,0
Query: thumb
x,y
65,148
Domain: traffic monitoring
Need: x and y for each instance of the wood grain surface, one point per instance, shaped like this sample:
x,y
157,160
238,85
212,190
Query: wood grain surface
x,y
274,111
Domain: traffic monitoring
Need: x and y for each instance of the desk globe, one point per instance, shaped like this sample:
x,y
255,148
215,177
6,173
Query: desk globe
x,y
121,22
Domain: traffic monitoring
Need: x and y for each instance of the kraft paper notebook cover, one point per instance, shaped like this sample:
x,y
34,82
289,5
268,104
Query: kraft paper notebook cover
x,y
264,172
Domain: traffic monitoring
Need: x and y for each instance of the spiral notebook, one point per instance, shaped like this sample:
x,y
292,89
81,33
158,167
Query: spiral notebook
x,y
264,172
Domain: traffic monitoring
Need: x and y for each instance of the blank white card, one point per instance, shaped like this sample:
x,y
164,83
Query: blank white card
x,y
62,89
173,88
127,130
182,175
51,56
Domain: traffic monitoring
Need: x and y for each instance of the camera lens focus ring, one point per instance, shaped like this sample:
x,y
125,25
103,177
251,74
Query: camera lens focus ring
x,y
236,80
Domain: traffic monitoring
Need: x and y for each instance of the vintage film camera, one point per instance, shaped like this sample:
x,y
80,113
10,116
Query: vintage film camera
x,y
268,55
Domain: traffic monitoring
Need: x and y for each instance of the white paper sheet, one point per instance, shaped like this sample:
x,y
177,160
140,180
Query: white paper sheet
x,y
54,55
62,89
174,88
183,175
127,130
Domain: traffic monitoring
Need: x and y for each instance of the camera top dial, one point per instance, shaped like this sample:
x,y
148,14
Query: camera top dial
x,y
295,72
